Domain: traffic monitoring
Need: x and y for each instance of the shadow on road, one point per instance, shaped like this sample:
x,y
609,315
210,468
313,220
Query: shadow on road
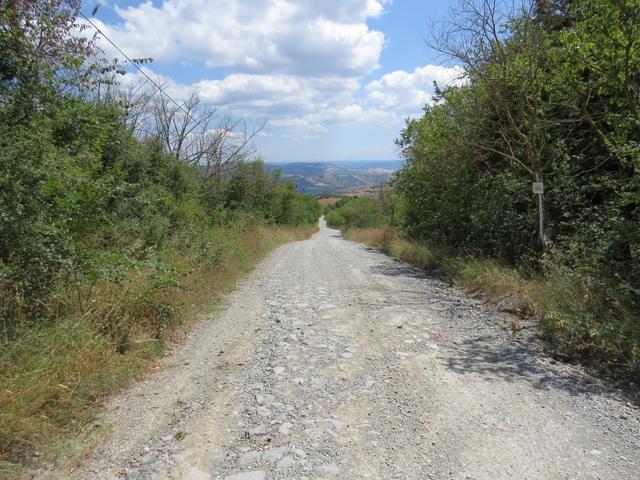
x,y
512,362
494,358
397,269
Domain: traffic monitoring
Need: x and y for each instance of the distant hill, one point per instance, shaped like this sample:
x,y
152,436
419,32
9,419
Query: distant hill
x,y
324,178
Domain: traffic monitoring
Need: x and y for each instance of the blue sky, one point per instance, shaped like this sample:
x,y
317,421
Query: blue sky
x,y
333,79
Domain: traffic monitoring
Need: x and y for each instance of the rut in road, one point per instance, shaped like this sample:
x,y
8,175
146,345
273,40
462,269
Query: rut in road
x,y
333,361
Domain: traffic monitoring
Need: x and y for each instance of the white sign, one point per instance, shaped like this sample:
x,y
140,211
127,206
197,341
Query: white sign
x,y
538,188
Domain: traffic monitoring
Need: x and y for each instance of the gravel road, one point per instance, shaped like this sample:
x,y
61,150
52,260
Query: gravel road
x,y
332,361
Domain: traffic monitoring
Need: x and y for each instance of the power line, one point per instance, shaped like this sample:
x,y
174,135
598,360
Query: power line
x,y
155,84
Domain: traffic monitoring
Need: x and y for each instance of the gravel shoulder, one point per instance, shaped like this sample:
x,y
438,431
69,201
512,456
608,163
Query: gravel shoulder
x,y
334,361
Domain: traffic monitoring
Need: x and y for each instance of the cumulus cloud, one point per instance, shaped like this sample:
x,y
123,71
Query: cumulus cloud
x,y
408,92
298,63
267,96
301,37
386,102
306,105
277,95
316,123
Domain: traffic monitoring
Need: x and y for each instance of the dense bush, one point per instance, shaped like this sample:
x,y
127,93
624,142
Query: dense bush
x,y
108,239
75,181
68,196
555,93
355,212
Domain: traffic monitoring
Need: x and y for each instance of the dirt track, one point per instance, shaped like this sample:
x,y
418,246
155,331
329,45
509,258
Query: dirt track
x,y
334,361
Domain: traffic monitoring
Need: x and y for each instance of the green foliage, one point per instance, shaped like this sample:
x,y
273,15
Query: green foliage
x,y
355,212
106,241
65,197
556,94
74,182
249,188
39,54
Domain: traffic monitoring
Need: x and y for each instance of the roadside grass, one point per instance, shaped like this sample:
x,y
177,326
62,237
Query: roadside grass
x,y
54,377
479,277
578,320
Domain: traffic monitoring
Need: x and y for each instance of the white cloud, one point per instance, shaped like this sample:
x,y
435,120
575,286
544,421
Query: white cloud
x,y
316,123
297,63
408,92
387,101
277,95
307,105
354,113
295,37
267,96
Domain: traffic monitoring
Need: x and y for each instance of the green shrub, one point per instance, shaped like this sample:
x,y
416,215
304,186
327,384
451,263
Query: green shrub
x,y
556,95
107,242
354,212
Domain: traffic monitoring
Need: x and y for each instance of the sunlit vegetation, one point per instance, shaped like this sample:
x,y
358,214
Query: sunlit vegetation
x,y
550,90
122,216
354,212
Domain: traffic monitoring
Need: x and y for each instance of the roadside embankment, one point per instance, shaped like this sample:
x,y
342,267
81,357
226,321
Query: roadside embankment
x,y
53,378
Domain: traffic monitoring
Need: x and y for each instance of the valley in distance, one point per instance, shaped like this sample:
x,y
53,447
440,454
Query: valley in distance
x,y
338,178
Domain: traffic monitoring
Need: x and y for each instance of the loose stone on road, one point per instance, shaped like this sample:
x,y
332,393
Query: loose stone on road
x,y
333,361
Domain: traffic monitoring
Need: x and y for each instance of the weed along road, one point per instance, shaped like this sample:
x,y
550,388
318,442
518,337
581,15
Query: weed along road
x,y
332,361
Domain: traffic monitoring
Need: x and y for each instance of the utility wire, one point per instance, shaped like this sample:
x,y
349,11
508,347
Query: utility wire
x,y
132,62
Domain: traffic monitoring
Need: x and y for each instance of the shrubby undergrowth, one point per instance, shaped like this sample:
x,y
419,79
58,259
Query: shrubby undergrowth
x,y
354,212
109,238
550,90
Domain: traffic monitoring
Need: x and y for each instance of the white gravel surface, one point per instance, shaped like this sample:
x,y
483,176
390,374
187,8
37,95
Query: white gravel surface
x,y
333,361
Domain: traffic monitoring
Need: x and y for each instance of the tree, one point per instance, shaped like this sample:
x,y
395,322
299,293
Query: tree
x,y
553,87
505,56
38,51
201,135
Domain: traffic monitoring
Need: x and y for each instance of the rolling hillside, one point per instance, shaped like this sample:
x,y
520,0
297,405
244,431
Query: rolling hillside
x,y
322,178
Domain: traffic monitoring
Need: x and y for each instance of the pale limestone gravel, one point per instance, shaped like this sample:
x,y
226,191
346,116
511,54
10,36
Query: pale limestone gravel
x,y
333,361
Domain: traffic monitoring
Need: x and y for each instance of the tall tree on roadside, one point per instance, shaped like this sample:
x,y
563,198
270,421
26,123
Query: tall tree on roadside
x,y
38,50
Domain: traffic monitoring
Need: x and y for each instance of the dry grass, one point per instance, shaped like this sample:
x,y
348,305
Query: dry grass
x,y
388,241
502,284
578,320
52,378
328,201
482,277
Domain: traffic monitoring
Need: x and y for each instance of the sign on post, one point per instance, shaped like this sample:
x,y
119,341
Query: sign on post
x,y
538,188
